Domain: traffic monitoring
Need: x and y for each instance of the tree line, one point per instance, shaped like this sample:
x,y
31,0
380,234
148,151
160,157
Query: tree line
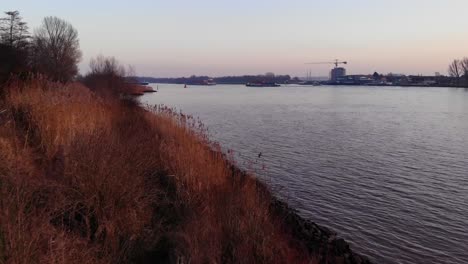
x,y
220,80
52,50
458,69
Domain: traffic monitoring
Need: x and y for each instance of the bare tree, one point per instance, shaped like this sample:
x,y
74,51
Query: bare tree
x,y
56,49
13,31
455,70
464,70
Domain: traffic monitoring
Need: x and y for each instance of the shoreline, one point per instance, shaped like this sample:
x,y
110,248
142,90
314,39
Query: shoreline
x,y
318,239
351,85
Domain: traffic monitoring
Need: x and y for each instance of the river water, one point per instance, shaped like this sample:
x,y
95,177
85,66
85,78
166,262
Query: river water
x,y
385,167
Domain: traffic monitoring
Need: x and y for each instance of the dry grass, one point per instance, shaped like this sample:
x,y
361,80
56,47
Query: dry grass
x,y
88,178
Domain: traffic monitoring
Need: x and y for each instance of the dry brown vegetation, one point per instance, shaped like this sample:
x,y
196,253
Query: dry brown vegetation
x,y
100,180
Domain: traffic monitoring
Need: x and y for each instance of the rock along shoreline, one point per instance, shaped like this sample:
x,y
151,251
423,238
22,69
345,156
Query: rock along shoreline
x,y
319,240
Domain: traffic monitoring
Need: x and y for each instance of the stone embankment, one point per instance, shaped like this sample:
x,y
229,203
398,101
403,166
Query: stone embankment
x,y
319,240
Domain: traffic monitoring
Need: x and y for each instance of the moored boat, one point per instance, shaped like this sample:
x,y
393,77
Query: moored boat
x,y
207,82
262,84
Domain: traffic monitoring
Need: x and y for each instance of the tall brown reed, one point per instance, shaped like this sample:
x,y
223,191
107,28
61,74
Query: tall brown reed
x,y
84,177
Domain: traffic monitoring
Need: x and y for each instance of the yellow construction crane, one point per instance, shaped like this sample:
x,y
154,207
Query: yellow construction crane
x,y
336,62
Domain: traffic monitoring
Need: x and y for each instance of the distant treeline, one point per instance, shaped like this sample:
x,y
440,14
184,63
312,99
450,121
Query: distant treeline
x,y
221,80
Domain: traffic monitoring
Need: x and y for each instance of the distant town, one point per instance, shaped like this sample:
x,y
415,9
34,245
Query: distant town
x,y
458,77
337,76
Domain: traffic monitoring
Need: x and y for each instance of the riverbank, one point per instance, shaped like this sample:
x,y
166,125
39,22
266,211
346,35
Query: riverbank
x,y
319,240
84,177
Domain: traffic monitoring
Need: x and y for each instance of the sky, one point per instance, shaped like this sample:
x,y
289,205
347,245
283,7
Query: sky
x,y
218,37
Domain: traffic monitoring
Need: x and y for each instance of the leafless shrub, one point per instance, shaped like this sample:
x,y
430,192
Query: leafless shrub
x,y
107,77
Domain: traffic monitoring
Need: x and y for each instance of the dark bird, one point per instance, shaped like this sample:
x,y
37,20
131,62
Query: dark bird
x,y
260,155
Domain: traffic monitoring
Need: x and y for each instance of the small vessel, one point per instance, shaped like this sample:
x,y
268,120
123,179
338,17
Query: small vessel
x,y
207,82
150,91
313,83
138,83
262,84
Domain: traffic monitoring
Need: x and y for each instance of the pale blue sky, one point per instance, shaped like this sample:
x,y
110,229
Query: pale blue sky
x,y
176,37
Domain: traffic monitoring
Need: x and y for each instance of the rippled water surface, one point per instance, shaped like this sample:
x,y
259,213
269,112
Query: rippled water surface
x,y
387,168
